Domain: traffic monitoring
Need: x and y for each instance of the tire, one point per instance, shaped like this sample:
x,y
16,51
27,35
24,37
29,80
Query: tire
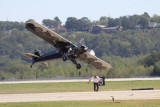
x,y
64,58
78,66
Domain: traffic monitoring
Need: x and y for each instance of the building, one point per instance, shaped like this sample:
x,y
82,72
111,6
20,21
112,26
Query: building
x,y
99,28
153,25
58,28
138,27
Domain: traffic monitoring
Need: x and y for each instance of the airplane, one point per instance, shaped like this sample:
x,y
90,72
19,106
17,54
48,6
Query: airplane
x,y
65,50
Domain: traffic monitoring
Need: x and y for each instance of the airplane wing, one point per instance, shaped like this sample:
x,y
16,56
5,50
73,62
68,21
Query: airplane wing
x,y
51,37
94,61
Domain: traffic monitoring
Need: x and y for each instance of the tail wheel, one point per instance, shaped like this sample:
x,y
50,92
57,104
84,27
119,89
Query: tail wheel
x,y
78,66
64,58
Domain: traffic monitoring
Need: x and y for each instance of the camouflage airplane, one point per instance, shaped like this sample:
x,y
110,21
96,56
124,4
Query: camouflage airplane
x,y
65,50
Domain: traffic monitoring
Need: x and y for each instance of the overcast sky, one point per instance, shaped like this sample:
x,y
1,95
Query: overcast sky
x,y
22,10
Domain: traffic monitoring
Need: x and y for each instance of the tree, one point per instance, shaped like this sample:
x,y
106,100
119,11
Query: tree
x,y
146,15
155,18
125,22
56,22
48,22
143,22
83,24
156,70
151,59
133,21
103,20
111,22
6,25
71,23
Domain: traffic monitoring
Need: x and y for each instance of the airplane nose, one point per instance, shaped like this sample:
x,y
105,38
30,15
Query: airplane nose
x,y
84,48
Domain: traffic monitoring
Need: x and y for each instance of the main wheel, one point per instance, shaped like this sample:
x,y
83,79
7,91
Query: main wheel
x,y
78,66
64,58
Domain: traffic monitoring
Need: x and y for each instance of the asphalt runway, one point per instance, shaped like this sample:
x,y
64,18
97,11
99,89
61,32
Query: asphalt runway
x,y
75,80
77,96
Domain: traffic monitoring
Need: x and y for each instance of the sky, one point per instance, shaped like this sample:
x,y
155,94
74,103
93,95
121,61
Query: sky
x,y
22,10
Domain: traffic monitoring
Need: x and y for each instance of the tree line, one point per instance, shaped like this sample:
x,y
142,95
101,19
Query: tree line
x,y
130,52
85,24
122,50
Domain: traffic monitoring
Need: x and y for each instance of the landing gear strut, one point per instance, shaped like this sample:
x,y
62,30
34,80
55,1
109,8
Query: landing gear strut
x,y
78,66
33,61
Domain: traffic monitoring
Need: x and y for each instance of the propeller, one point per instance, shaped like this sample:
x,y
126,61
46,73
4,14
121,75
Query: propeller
x,y
82,43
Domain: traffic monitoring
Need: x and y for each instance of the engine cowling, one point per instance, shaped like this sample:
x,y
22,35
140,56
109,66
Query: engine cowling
x,y
84,48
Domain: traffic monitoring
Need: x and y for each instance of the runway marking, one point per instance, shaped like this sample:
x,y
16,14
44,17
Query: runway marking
x,y
75,80
76,96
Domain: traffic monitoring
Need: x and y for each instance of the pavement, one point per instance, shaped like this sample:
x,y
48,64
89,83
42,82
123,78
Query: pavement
x,y
77,96
75,80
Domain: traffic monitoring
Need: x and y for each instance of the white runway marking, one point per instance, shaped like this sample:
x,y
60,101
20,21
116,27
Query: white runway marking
x,y
75,96
75,80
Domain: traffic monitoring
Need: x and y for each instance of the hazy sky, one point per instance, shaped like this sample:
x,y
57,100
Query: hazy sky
x,y
22,10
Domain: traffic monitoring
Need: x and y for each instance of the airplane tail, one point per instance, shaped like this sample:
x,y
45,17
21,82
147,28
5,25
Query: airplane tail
x,y
31,56
34,57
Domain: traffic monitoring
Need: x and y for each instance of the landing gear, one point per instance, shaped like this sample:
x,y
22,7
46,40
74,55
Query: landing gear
x,y
33,61
78,66
64,58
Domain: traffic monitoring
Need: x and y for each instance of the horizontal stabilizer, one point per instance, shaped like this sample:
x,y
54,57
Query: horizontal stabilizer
x,y
44,64
30,55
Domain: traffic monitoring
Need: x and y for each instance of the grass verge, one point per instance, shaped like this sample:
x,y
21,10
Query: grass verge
x,y
101,103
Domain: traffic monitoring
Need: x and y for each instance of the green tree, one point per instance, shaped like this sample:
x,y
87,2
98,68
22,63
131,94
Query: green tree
x,y
146,15
133,21
57,20
103,20
155,18
48,22
113,22
125,22
156,70
143,22
151,59
71,24
83,24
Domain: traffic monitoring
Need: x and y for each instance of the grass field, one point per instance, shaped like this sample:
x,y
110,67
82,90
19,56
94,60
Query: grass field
x,y
120,103
75,86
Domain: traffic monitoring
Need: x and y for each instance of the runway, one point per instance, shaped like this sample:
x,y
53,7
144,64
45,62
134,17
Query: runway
x,y
76,96
75,80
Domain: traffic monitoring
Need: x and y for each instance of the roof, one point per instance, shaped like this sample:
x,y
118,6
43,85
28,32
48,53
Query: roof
x,y
105,27
152,24
112,27
102,26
